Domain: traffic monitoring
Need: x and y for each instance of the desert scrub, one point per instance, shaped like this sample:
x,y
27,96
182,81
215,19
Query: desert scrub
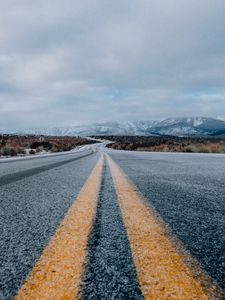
x,y
8,151
167,144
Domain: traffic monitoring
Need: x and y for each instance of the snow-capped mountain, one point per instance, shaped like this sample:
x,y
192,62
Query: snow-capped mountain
x,y
193,126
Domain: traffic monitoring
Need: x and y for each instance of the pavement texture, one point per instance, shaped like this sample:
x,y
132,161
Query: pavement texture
x,y
12,165
31,210
188,192
8,178
110,271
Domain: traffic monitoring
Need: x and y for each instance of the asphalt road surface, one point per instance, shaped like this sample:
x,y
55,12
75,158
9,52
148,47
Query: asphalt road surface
x,y
186,191
34,199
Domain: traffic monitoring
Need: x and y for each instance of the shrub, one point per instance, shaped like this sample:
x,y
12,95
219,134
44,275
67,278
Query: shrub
x,y
9,151
54,149
204,149
13,152
46,145
20,150
39,149
221,149
35,145
32,151
66,148
5,151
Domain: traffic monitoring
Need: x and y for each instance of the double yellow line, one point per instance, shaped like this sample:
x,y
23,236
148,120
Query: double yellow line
x,y
161,270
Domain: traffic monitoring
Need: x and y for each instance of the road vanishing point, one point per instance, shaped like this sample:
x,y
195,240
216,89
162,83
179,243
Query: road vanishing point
x,y
109,224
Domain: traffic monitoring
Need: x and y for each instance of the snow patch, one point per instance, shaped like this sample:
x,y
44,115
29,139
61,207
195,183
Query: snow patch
x,y
197,122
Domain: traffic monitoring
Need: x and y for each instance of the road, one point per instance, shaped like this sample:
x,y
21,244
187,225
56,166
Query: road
x,y
107,224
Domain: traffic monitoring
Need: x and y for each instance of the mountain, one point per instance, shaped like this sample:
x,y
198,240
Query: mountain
x,y
193,126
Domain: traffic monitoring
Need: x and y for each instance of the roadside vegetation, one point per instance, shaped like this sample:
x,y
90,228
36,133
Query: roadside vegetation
x,y
167,144
21,145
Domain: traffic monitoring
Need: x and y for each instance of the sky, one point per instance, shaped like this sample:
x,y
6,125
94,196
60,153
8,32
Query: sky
x,y
73,62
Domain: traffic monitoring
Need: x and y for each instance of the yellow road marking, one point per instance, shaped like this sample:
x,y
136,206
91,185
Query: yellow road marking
x,y
57,274
160,269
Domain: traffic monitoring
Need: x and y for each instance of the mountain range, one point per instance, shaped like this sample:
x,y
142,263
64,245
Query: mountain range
x,y
193,126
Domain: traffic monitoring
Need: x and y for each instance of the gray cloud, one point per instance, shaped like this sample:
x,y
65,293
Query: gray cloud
x,y
70,62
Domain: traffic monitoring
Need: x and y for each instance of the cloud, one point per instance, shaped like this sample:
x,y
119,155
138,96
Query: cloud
x,y
72,62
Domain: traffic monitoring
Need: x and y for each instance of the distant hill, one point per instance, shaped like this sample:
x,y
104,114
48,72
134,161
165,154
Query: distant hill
x,y
193,126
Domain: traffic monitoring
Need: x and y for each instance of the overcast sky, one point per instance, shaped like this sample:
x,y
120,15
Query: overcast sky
x,y
67,62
